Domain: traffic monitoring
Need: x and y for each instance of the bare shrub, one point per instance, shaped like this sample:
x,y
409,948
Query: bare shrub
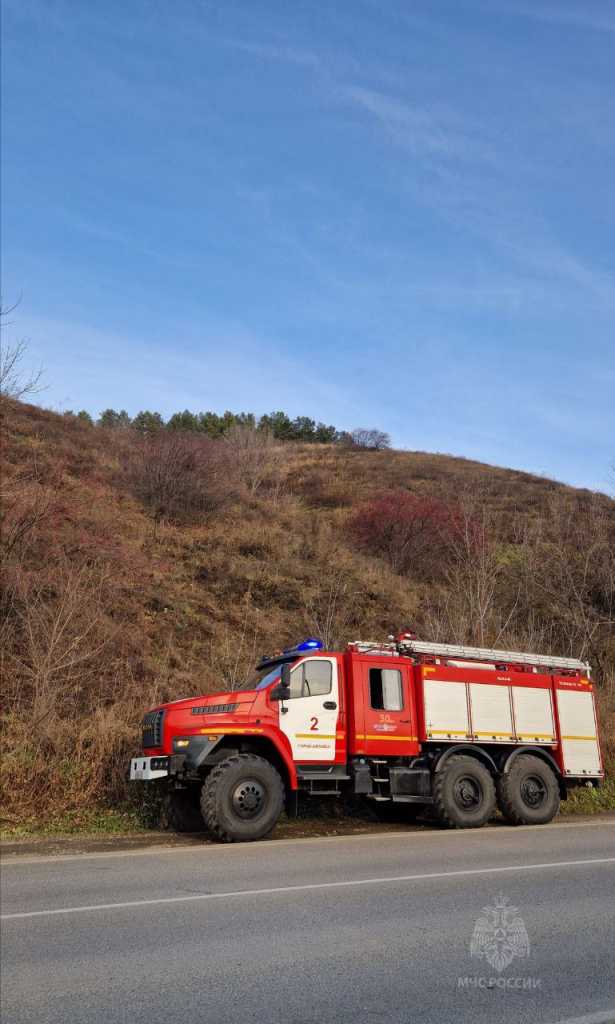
x,y
568,574
78,764
178,476
16,381
368,437
542,582
254,454
330,610
233,655
474,571
60,626
25,505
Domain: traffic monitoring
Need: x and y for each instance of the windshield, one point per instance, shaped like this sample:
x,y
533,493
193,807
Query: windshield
x,y
261,679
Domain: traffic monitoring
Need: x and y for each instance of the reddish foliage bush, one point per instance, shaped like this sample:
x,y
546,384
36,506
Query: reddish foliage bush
x,y
411,532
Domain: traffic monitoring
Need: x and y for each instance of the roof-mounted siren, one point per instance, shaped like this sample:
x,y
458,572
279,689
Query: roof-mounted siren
x,y
312,643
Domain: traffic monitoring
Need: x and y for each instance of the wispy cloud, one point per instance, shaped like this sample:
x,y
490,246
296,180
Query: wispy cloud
x,y
432,130
130,241
595,18
555,262
270,51
405,124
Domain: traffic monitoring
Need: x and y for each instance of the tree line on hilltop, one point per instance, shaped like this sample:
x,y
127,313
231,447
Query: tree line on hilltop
x,y
277,424
18,384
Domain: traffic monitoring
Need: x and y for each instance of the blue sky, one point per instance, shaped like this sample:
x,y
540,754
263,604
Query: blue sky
x,y
391,214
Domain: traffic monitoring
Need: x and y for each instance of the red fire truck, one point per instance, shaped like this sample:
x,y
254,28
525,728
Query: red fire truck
x,y
460,729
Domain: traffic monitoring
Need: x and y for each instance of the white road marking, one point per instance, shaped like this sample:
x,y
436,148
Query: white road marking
x,y
15,859
606,1017
308,887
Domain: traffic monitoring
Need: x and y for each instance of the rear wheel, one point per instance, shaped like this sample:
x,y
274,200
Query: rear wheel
x,y
528,794
242,798
464,793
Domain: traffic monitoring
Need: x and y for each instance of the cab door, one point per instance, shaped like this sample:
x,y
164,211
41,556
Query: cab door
x,y
389,713
308,718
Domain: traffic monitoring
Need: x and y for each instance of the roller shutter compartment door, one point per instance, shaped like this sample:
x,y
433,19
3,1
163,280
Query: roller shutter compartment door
x,y
446,710
533,710
577,722
491,713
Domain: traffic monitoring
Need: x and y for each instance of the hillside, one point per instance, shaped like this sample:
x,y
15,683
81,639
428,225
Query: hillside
x,y
143,567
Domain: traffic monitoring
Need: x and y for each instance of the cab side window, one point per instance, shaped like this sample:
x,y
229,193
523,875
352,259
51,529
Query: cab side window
x,y
311,679
385,690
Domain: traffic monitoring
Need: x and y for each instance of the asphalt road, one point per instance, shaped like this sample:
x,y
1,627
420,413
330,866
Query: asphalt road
x,y
350,929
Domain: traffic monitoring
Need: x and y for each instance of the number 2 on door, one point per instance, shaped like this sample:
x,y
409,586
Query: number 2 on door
x,y
314,725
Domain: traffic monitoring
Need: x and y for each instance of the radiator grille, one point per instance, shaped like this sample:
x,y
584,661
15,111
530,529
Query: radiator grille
x,y
152,729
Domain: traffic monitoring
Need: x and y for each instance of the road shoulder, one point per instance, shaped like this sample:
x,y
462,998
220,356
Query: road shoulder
x,y
50,846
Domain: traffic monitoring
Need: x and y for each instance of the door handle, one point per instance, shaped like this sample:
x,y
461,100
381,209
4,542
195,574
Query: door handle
x,y
330,705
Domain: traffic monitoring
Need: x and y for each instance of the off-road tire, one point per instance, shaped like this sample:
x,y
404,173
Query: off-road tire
x,y
242,798
464,793
528,794
183,811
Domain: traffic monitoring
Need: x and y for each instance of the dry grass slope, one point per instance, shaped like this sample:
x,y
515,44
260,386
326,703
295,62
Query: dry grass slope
x,y
110,604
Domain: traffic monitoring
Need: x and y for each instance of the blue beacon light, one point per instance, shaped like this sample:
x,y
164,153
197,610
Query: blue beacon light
x,y
311,644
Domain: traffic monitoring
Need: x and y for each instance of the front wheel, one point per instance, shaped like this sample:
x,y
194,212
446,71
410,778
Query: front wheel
x,y
528,794
242,798
464,794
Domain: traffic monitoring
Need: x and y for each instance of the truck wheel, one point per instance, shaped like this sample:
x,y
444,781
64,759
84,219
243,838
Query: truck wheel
x,y
183,811
464,794
242,798
529,793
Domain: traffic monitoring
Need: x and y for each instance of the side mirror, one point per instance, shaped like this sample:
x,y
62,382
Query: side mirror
x,y
282,690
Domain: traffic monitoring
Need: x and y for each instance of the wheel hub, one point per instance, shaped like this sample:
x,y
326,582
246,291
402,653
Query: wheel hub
x,y
468,792
248,798
533,791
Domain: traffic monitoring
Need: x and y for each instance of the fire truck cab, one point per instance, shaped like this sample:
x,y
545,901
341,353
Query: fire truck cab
x,y
462,730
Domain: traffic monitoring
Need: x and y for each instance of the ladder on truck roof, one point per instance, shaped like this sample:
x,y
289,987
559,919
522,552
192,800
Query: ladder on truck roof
x,y
419,647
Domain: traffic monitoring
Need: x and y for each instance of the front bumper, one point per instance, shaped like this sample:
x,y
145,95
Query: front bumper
x,y
148,769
